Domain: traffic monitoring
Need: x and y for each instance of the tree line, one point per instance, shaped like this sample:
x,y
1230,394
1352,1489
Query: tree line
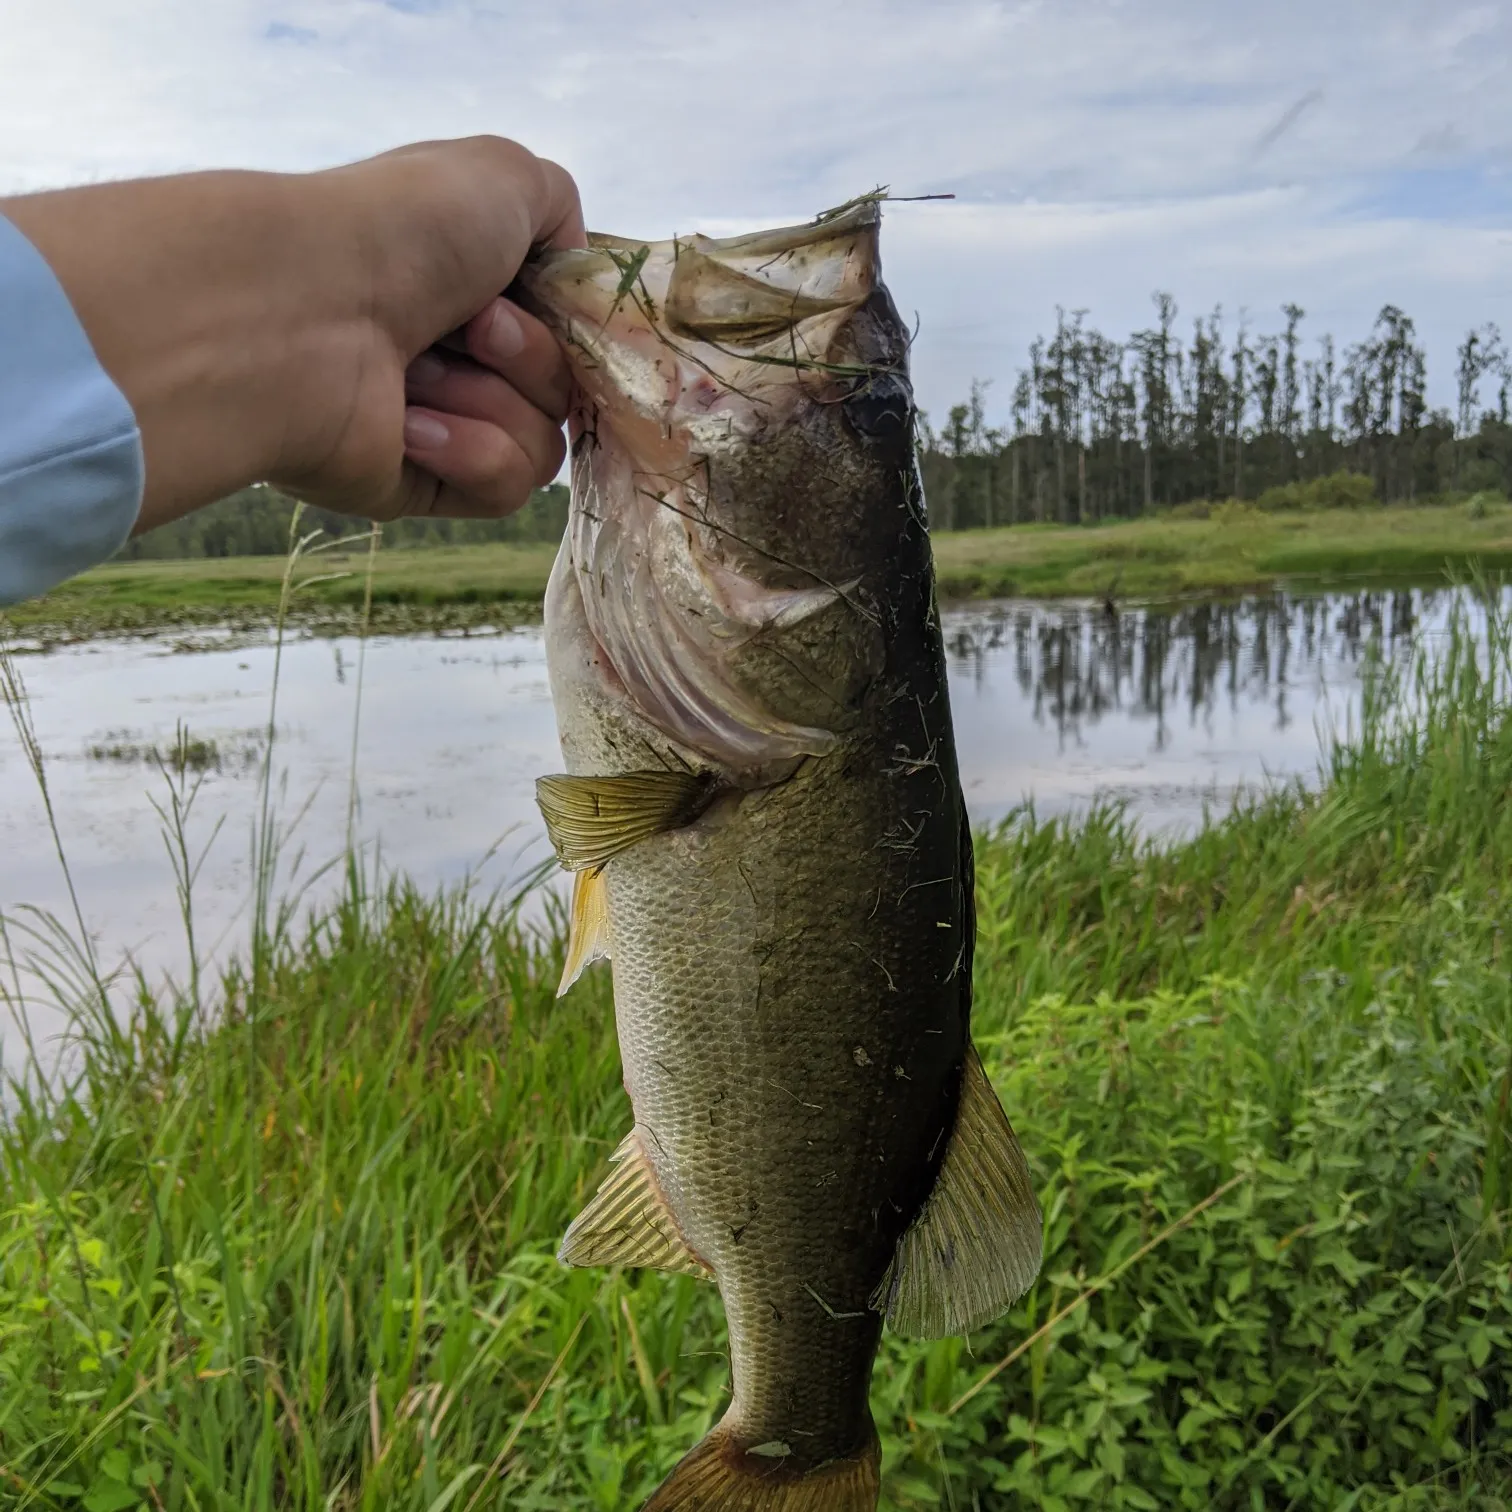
x,y
1102,428
256,522
1099,427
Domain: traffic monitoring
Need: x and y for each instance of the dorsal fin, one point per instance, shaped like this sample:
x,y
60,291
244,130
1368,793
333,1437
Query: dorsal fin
x,y
592,819
974,1249
629,1223
588,939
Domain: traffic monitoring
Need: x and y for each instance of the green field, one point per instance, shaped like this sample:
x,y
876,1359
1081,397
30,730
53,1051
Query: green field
x,y
295,1251
1234,548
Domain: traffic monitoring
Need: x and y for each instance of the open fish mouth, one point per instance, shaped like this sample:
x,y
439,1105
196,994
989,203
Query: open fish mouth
x,y
674,328
701,363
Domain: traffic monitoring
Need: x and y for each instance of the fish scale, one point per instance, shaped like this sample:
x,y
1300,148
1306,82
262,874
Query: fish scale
x,y
763,810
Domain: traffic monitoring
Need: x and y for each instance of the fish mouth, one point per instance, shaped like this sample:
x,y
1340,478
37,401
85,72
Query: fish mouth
x,y
694,326
696,361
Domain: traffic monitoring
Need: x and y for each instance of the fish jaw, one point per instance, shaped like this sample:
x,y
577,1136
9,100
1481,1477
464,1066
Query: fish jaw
x,y
698,363
707,339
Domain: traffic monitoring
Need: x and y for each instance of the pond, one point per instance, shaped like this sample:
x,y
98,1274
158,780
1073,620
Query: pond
x,y
1168,710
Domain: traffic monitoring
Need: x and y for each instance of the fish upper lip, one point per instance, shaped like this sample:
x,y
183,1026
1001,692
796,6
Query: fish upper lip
x,y
712,289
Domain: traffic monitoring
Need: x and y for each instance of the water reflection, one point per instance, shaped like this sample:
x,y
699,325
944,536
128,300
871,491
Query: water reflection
x,y
1171,711
1061,704
1076,664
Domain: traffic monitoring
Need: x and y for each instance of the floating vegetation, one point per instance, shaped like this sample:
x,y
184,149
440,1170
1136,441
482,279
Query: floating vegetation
x,y
237,752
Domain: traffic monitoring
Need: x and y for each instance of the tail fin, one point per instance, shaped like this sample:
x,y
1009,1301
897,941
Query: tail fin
x,y
719,1475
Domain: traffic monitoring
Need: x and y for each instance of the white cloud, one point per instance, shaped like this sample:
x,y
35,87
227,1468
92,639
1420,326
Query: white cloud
x,y
1340,154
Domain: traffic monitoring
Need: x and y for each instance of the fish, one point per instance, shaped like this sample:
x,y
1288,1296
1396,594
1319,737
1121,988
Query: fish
x,y
763,818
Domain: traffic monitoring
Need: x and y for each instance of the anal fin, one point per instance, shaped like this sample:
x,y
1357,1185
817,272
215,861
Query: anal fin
x,y
974,1249
628,1221
588,940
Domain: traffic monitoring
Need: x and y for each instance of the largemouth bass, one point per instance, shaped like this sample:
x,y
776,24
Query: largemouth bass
x,y
764,816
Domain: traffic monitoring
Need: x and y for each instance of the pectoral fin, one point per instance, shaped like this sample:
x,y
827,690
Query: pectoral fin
x,y
629,1223
592,819
588,940
974,1249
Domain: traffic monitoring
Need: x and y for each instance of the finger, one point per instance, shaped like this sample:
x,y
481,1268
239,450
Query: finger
x,y
543,190
521,349
564,225
476,393
485,469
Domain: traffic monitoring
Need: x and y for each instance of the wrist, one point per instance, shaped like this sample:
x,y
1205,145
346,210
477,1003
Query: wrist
x,y
219,304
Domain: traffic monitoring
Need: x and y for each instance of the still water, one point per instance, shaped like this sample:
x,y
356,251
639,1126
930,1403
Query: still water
x,y
1058,704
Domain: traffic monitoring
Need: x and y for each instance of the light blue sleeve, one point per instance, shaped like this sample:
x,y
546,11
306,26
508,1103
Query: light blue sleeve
x,y
70,452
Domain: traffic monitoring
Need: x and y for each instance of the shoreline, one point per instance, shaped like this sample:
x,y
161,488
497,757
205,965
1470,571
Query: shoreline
x,y
326,1191
1236,551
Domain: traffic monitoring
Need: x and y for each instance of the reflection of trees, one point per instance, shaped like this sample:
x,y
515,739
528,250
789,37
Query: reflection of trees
x,y
1075,663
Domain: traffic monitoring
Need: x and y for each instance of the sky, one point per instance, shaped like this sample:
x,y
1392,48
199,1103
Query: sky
x,y
1340,154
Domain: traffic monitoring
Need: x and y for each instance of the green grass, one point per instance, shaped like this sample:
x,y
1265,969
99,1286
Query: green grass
x,y
413,589
302,1257
1234,548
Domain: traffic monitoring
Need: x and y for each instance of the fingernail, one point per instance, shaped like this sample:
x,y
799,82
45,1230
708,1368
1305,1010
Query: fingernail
x,y
503,335
426,369
424,432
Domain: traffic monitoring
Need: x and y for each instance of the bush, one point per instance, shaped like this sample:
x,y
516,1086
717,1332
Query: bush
x,y
1340,490
302,1258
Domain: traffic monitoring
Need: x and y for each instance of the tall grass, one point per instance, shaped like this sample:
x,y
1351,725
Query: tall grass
x,y
1265,1077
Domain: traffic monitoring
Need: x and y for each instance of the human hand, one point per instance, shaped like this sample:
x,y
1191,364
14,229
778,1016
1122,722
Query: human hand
x,y
338,333
482,384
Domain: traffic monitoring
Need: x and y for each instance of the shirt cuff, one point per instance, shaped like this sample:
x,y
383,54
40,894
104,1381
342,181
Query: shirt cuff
x,y
71,468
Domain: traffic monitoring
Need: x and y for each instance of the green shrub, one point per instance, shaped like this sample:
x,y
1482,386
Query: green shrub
x,y
303,1258
1340,490
1194,509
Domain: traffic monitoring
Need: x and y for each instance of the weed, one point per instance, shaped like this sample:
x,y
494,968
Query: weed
x,y
302,1256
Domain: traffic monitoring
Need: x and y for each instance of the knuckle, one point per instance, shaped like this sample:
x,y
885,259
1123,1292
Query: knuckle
x,y
508,155
555,173
502,465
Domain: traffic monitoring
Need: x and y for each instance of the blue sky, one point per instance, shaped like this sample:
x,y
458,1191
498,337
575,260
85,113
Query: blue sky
x,y
1336,153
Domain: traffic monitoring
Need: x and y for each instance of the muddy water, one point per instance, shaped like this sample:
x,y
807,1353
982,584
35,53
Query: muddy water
x,y
1058,704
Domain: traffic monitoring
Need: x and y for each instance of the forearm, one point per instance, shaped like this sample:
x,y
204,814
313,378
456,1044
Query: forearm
x,y
265,327
215,301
